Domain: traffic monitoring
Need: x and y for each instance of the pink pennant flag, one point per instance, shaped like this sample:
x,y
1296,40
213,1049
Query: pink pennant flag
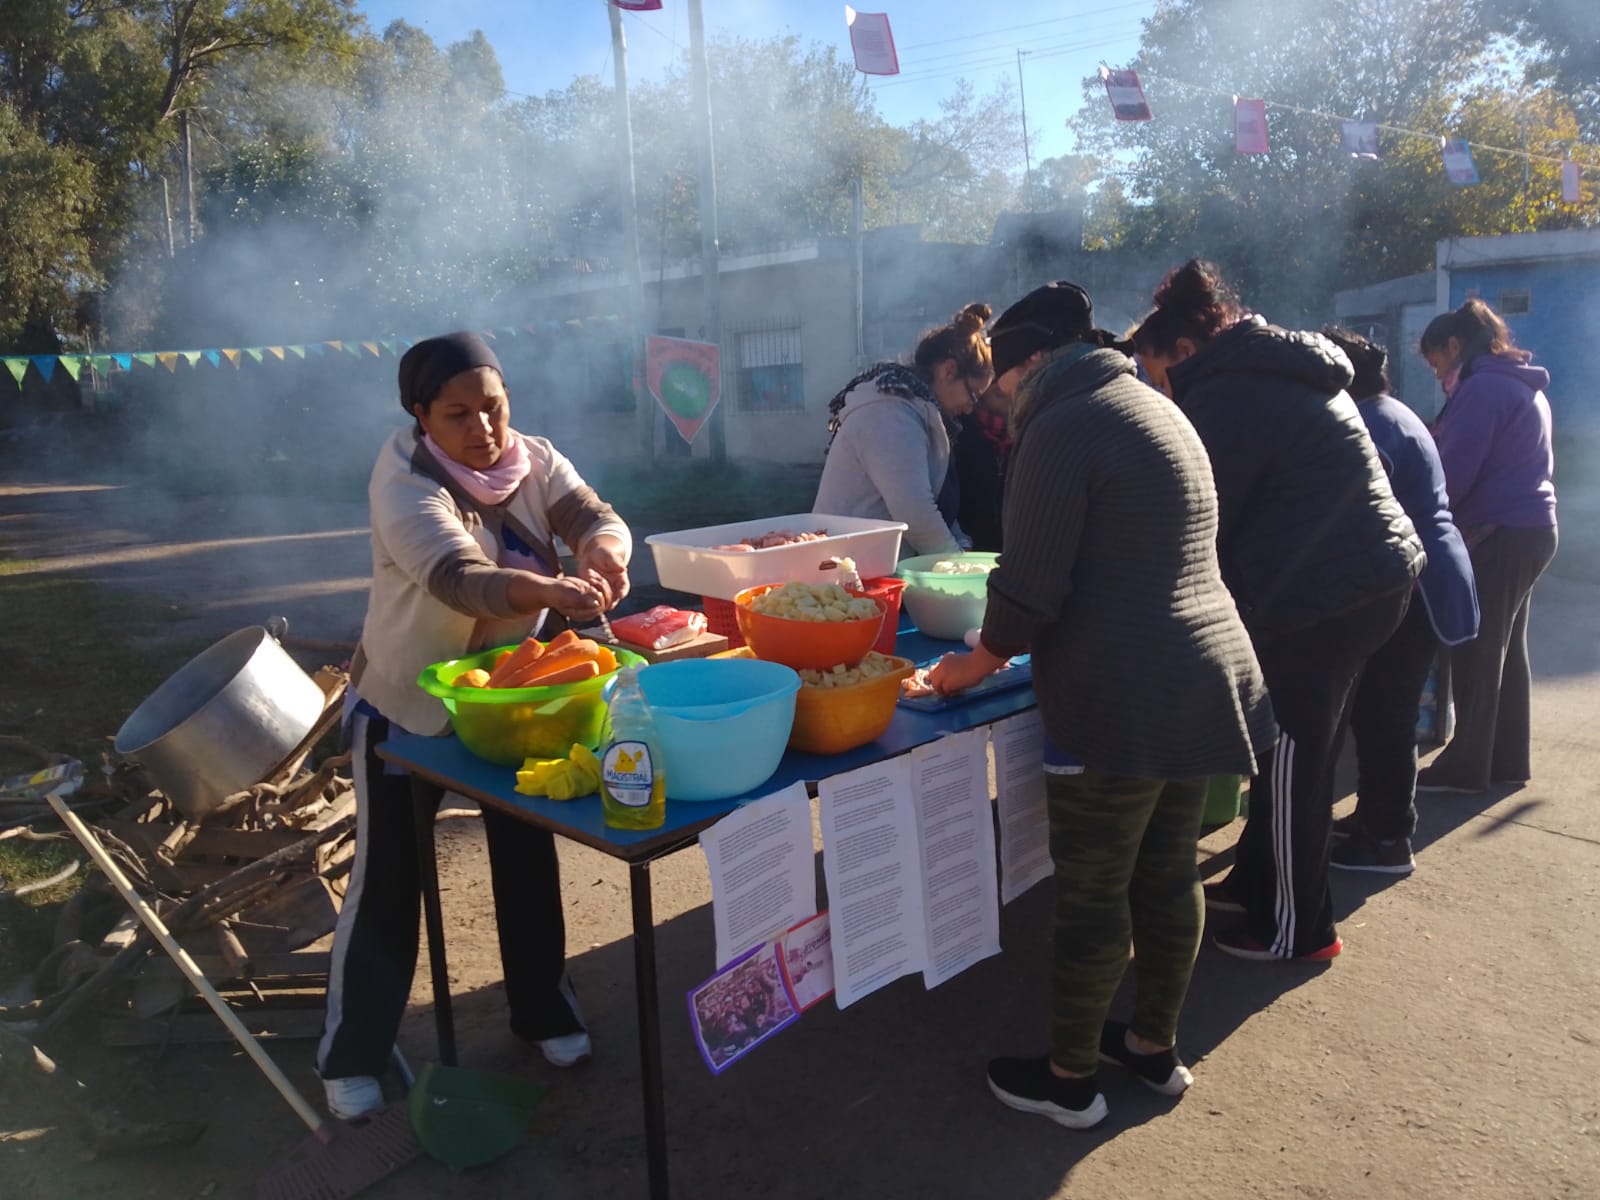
x,y
872,42
1459,168
1127,97
1571,174
638,5
1250,126
1359,138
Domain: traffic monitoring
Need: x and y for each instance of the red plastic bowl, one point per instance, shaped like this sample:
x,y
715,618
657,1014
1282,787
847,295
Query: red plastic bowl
x,y
819,645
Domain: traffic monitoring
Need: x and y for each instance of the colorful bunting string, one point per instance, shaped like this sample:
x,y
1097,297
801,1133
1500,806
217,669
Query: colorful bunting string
x,y
106,363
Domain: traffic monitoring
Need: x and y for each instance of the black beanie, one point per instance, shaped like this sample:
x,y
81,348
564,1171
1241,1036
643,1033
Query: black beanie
x,y
1047,317
433,362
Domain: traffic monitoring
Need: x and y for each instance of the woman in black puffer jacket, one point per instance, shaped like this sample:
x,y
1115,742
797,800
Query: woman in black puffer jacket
x,y
1320,558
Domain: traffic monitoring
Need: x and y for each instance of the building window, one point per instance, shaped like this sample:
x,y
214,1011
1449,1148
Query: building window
x,y
770,375
610,377
1515,302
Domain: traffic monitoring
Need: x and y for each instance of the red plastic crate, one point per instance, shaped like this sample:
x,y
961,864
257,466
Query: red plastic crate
x,y
723,618
888,590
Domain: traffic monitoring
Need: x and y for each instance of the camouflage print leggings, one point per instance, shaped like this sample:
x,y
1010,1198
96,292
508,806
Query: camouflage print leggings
x,y
1124,851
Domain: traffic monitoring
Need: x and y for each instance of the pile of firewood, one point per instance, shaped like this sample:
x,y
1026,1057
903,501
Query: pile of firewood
x,y
247,888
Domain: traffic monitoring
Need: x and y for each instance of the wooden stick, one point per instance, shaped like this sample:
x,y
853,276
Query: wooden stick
x,y
187,965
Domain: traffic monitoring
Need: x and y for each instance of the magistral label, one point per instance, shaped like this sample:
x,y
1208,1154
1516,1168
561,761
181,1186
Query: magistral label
x,y
628,773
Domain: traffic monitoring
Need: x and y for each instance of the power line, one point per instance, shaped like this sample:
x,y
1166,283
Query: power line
x,y
972,48
954,71
1402,130
1029,25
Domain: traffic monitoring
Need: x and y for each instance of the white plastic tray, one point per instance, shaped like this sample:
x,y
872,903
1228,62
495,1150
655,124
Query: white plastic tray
x,y
686,562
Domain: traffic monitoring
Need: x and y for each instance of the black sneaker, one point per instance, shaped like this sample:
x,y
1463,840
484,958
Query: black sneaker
x,y
1028,1085
1220,900
1346,827
1164,1071
1361,853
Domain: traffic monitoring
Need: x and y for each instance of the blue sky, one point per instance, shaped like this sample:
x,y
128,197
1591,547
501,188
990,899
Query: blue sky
x,y
939,42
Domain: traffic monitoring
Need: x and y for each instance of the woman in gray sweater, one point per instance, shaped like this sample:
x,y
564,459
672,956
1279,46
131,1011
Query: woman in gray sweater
x,y
1146,681
891,430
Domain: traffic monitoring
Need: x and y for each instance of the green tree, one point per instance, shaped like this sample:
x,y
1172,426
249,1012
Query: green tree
x,y
1294,225
45,262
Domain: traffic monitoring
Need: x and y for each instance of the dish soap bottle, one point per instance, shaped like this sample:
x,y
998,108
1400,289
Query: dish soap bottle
x,y
633,781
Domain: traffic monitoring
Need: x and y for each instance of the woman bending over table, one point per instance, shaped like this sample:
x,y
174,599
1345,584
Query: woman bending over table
x,y
1146,682
465,513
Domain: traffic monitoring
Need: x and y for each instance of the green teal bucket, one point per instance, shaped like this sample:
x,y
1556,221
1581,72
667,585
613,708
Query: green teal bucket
x,y
1222,799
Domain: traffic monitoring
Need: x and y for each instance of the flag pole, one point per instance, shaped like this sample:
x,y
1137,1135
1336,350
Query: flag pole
x,y
711,330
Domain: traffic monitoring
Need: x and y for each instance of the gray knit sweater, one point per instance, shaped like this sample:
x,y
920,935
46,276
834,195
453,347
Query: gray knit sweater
x,y
1142,666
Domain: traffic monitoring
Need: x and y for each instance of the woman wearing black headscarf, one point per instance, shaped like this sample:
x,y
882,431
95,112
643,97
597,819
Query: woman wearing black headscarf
x,y
465,513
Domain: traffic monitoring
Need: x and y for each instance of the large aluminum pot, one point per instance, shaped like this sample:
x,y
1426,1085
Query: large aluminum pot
x,y
223,721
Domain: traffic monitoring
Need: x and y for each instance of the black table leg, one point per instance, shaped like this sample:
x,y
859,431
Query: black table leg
x,y
424,804
644,971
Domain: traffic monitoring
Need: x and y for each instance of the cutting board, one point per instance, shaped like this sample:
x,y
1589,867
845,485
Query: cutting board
x,y
703,646
1015,674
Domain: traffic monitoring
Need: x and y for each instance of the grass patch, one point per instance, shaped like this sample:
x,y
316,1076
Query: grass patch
x,y
79,658
687,495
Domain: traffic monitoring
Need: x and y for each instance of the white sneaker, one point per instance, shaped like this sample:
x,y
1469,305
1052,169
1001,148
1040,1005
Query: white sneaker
x,y
568,1050
354,1096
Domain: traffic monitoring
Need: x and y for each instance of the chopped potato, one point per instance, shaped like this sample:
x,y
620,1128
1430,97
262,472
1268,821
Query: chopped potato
x,y
870,667
947,567
814,602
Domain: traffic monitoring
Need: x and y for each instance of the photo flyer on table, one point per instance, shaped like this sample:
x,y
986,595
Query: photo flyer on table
x,y
762,862
741,1006
806,956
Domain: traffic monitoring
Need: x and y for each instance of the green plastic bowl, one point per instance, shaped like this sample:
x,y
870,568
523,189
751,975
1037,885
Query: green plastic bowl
x,y
507,725
945,606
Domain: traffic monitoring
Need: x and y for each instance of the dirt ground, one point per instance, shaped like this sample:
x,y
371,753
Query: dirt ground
x,y
1450,1052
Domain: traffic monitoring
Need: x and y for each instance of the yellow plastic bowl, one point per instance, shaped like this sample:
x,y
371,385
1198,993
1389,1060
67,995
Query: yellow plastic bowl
x,y
507,725
833,720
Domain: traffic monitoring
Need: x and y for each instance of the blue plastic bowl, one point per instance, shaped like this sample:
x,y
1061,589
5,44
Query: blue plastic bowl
x,y
724,723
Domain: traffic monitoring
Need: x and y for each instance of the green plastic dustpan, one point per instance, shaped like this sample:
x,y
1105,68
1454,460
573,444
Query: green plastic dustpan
x,y
468,1118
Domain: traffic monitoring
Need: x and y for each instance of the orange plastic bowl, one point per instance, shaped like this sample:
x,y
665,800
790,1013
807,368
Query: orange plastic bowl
x,y
833,720
819,645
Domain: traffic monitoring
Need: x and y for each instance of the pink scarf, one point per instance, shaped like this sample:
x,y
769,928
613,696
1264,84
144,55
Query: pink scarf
x,y
494,486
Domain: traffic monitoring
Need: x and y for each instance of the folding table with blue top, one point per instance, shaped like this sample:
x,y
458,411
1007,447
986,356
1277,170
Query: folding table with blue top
x,y
447,763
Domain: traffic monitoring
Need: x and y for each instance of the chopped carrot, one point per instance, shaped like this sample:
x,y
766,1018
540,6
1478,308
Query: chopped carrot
x,y
567,637
575,673
525,655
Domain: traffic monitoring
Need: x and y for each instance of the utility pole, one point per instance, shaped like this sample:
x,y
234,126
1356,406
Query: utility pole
x,y
188,175
644,410
858,221
709,251
1027,156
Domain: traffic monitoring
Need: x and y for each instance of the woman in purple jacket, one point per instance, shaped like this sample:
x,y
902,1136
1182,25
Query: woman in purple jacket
x,y
1444,610
1494,441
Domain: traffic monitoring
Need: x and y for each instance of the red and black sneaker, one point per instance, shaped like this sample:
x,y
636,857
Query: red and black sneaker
x,y
1242,945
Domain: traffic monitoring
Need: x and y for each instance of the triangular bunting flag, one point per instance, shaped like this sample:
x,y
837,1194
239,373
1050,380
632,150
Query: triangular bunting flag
x,y
232,356
389,344
100,362
169,360
406,342
72,364
334,345
316,348
353,350
371,348
18,368
254,352
46,364
148,360
192,357
214,357
276,352
125,361
297,351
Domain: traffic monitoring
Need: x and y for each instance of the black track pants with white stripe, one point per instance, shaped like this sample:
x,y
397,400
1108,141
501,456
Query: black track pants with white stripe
x,y
375,944
1280,873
